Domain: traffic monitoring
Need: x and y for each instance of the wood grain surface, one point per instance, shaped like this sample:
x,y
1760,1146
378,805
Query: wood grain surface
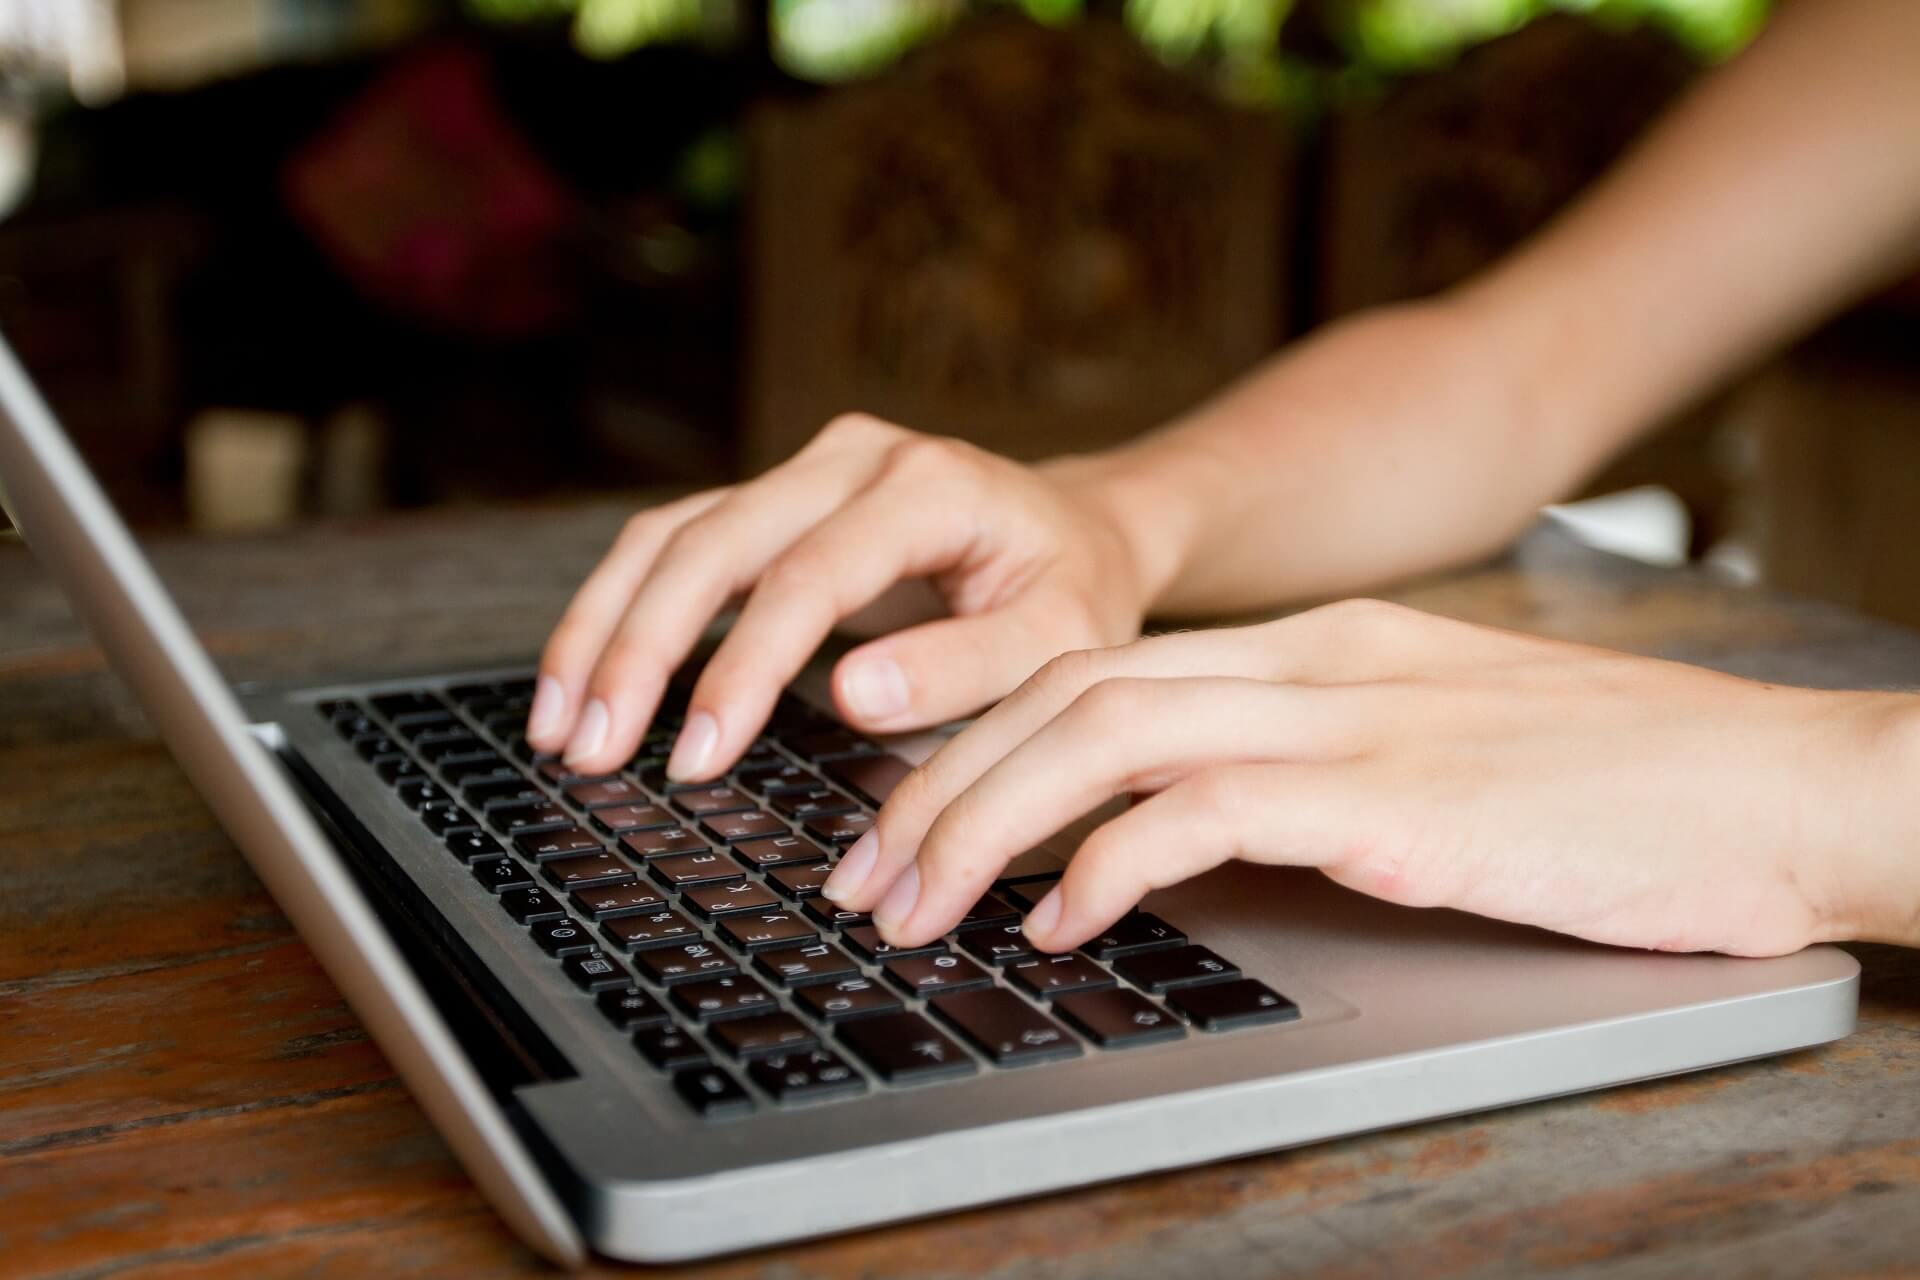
x,y
183,1093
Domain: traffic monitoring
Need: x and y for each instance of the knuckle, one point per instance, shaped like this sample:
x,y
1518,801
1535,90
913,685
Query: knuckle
x,y
1218,793
854,427
1065,674
1363,617
1112,705
919,455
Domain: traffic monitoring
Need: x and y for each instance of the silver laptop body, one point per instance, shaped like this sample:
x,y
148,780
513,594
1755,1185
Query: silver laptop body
x,y
583,1145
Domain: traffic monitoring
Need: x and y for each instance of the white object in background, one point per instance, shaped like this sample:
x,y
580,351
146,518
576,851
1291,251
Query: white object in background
x,y
77,40
245,469
1649,524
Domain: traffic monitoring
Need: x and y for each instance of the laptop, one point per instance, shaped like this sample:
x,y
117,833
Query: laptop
x,y
647,1037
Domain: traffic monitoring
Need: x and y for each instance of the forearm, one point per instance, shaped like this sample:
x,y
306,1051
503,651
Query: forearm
x,y
1406,441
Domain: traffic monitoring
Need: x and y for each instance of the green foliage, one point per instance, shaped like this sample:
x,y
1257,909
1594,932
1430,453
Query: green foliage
x,y
835,40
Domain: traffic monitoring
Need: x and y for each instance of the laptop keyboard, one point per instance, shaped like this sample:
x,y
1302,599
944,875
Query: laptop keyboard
x,y
690,915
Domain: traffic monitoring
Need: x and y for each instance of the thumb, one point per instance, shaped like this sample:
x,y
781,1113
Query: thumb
x,y
946,670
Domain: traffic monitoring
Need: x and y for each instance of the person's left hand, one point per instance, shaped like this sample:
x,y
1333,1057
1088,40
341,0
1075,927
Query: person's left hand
x,y
1426,762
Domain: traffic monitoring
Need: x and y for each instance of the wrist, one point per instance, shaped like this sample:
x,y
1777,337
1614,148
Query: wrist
x,y
1877,890
1143,501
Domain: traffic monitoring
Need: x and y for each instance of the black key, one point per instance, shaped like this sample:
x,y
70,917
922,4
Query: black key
x,y
998,944
855,997
344,714
935,975
905,1048
1047,976
728,828
800,882
664,843
719,998
1158,971
1005,1028
712,1092
668,1047
557,772
690,869
684,962
828,916
445,819
373,745
394,769
652,929
751,930
990,910
838,828
805,1075
778,1032
596,971
872,778
775,779
472,846
480,768
600,795
655,779
434,747
721,899
710,800
1119,1018
502,874
530,819
616,900
778,851
502,792
529,905
465,693
866,943
830,744
1223,1006
630,1007
617,820
416,724
1134,932
541,845
562,937
1026,894
810,803
587,871
395,705
805,965
418,793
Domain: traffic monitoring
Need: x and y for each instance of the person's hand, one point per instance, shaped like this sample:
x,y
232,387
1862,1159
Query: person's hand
x,y
1026,562
1426,762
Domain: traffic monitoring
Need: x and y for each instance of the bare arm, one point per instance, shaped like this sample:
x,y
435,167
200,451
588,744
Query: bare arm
x,y
1419,436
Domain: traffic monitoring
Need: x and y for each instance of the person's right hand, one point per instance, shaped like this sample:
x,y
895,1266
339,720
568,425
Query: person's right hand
x,y
1028,562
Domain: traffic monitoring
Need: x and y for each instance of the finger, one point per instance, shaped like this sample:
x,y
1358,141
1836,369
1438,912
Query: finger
x,y
593,613
880,857
946,670
895,529
1312,815
1116,733
703,564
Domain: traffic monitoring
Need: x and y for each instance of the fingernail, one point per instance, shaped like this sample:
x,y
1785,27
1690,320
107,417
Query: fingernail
x,y
853,869
1045,915
694,747
876,689
549,702
898,904
591,734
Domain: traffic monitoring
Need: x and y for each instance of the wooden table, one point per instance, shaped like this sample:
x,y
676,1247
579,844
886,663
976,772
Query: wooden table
x,y
182,1092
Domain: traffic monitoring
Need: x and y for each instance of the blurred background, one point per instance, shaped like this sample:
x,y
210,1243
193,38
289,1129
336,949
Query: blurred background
x,y
278,260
